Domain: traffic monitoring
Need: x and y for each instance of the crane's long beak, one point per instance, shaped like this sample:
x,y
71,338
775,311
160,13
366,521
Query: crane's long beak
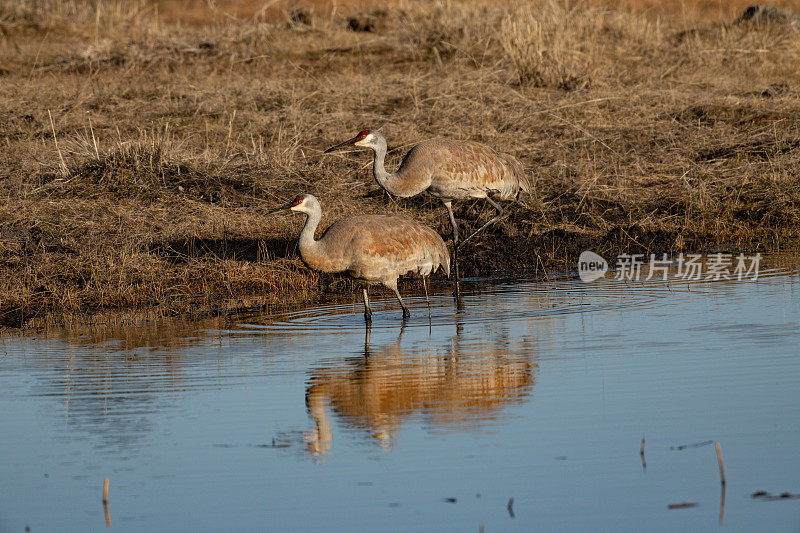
x,y
284,208
348,142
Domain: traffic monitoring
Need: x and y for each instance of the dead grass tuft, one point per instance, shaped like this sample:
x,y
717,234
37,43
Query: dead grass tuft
x,y
552,45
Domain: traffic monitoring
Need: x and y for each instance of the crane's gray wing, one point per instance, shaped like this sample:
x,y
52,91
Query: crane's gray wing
x,y
385,247
464,169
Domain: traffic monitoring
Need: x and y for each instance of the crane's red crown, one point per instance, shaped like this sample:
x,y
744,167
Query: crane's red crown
x,y
299,200
362,134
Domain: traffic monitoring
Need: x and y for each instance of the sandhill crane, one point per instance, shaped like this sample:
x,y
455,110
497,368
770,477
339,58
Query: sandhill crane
x,y
449,170
372,249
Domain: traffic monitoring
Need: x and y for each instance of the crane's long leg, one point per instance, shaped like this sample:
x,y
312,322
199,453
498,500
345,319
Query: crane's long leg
x,y
457,292
425,286
393,285
367,310
492,221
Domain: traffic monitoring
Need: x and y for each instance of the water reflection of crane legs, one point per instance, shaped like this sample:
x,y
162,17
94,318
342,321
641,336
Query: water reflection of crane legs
x,y
368,337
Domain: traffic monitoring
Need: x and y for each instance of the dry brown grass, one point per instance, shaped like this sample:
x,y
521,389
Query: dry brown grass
x,y
172,135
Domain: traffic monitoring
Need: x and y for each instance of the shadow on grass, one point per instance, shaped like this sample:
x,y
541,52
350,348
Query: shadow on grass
x,y
255,250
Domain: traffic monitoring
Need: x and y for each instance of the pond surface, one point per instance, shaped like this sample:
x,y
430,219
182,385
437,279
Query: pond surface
x,y
536,391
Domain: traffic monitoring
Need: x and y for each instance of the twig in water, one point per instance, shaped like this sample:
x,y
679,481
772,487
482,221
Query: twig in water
x,y
105,502
721,467
695,445
767,497
510,507
684,505
641,453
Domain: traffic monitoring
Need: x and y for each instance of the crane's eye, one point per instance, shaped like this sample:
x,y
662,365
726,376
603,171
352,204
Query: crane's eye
x,y
362,134
297,201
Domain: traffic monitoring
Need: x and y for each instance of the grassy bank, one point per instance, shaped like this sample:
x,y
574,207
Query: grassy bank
x,y
142,143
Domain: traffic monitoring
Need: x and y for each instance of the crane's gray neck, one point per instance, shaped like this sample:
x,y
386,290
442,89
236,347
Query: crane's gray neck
x,y
405,182
311,251
384,179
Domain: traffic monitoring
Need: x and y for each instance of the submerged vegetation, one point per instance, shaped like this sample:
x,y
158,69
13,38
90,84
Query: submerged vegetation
x,y
143,142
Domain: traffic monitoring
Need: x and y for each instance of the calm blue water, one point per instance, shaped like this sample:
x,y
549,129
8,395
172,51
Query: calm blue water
x,y
539,392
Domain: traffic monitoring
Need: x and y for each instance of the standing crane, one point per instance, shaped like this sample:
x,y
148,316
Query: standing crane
x,y
372,249
449,170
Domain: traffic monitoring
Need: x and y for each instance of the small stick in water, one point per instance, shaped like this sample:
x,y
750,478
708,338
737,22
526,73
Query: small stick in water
x,y
641,453
721,468
427,300
684,505
510,507
105,502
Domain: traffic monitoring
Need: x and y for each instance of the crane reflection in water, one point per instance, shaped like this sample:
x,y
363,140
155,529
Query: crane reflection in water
x,y
452,386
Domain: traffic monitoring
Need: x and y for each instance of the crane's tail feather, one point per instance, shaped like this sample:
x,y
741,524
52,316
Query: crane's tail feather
x,y
524,183
438,251
446,263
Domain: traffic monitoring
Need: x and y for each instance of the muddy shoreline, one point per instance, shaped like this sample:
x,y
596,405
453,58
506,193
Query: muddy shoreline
x,y
500,257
